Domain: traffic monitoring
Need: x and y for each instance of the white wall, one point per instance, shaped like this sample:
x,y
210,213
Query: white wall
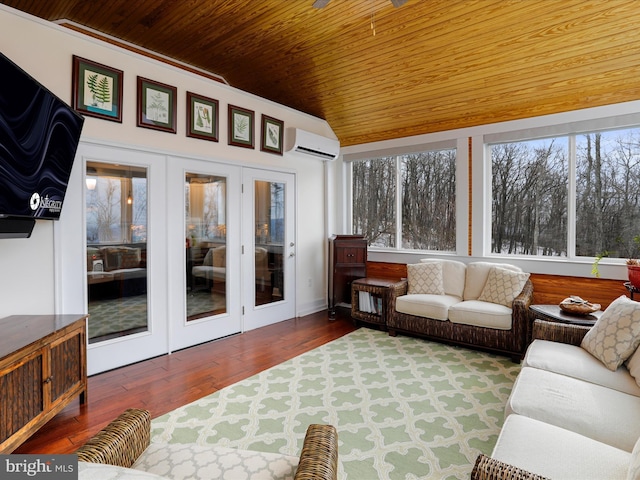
x,y
45,50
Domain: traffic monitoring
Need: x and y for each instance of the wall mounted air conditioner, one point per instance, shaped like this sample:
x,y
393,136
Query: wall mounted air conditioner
x,y
308,143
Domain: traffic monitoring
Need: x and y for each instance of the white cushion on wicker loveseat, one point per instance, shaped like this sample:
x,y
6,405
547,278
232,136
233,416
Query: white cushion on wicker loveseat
x,y
463,284
481,314
477,275
453,275
195,462
576,362
426,305
581,407
557,453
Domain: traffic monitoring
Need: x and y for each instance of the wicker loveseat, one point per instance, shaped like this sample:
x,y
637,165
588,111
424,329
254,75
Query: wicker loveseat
x,y
123,447
454,311
569,416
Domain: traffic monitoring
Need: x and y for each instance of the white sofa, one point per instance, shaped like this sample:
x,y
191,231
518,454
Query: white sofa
x,y
480,305
569,415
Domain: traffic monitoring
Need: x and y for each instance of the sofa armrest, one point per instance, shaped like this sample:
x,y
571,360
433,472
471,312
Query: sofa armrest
x,y
319,457
559,332
400,288
121,442
487,468
520,315
524,298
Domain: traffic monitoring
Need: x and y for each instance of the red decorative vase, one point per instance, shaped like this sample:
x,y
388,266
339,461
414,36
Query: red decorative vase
x,y
634,275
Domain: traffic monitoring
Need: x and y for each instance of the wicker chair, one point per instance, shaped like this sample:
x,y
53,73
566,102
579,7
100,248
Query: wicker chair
x,y
122,441
487,468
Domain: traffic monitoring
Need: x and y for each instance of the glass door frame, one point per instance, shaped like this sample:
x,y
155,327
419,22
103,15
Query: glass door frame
x,y
185,333
256,316
71,267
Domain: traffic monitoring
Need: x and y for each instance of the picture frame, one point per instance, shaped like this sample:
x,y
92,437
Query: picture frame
x,y
156,105
96,90
202,117
272,135
241,127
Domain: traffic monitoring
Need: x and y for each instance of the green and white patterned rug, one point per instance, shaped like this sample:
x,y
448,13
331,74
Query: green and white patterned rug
x,y
404,408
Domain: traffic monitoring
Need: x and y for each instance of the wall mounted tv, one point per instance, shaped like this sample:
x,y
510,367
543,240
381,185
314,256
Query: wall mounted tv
x,y
39,135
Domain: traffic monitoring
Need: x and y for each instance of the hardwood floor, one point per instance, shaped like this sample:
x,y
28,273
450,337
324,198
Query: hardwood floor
x,y
164,383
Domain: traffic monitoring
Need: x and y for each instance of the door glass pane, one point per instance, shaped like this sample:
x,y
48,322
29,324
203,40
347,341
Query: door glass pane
x,y
116,205
206,245
269,242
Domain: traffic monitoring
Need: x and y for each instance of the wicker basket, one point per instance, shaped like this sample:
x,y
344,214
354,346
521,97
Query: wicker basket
x,y
568,305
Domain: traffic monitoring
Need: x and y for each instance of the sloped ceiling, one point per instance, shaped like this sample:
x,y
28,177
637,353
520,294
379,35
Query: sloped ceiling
x,y
432,65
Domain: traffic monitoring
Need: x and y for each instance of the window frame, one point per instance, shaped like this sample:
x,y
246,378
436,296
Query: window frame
x,y
572,157
471,195
397,154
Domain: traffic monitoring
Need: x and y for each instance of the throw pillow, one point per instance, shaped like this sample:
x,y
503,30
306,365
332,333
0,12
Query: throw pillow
x,y
616,334
425,278
503,286
633,364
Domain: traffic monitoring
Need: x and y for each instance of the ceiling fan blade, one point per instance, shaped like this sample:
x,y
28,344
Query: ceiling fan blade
x,y
398,3
320,3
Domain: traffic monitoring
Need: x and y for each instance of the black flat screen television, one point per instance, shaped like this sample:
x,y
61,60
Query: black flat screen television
x,y
39,135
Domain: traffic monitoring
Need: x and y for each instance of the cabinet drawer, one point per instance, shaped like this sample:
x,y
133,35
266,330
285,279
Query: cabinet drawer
x,y
350,255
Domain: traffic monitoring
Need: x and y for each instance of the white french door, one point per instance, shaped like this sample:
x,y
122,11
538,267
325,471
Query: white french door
x,y
166,252
114,255
204,246
268,244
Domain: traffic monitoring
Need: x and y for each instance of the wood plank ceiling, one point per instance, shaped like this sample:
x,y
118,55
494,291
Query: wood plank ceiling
x,y
432,65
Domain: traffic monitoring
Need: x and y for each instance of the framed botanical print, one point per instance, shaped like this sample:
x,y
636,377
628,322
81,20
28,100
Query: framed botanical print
x,y
272,135
156,105
241,127
202,117
96,90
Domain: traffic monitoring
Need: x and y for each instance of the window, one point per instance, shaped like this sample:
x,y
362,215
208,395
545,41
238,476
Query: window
x,y
423,218
607,192
573,195
374,201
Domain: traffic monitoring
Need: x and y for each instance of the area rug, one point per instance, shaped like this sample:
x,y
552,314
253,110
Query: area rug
x,y
404,408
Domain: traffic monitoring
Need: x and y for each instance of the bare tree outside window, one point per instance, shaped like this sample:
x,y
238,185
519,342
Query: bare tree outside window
x,y
608,192
374,201
529,198
429,201
427,220
530,195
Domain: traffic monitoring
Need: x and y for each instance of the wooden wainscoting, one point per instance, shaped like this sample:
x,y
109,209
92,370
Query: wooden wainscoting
x,y
547,289
553,289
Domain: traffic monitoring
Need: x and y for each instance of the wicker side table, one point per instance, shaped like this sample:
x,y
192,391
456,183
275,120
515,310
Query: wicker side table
x,y
383,292
553,313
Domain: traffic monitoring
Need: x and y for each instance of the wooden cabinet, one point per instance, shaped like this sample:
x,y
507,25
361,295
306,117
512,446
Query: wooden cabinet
x,y
42,368
347,262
